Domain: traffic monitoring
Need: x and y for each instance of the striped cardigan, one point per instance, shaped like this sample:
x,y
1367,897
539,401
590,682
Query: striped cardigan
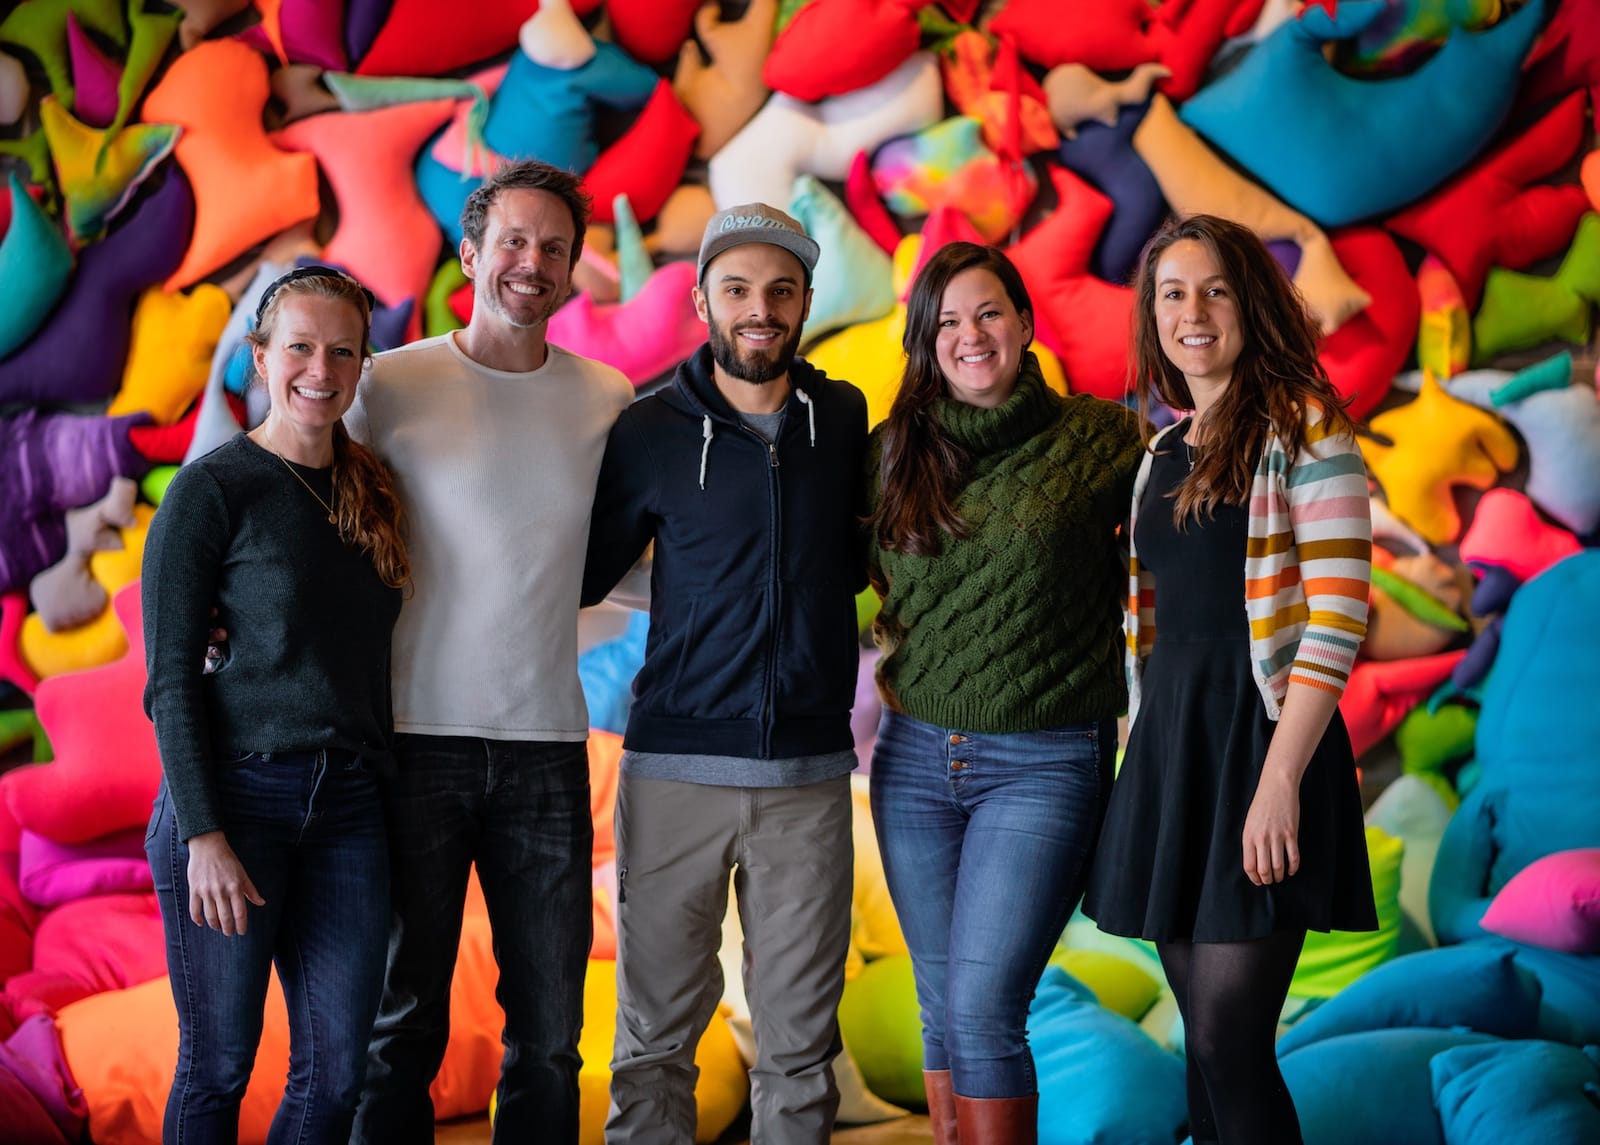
x,y
1308,565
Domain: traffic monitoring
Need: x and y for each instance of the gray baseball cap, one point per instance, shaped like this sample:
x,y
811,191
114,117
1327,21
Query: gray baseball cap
x,y
756,223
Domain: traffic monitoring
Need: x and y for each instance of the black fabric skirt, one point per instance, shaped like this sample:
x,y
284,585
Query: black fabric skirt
x,y
1171,861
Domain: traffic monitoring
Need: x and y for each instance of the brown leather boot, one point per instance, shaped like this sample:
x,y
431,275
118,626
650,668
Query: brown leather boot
x,y
997,1120
941,1106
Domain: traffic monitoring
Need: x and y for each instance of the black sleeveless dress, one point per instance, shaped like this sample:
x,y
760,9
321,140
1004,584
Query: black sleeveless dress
x,y
1170,862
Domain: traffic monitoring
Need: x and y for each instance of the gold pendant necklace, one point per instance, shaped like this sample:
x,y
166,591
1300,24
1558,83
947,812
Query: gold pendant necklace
x,y
333,518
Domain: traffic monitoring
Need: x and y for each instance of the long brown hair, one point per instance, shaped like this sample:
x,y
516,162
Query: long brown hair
x,y
367,509
923,466
1277,377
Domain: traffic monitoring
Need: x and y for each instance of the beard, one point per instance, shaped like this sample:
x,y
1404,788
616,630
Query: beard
x,y
754,366
538,314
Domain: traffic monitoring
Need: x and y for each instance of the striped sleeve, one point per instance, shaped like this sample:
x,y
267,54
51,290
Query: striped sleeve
x,y
1331,519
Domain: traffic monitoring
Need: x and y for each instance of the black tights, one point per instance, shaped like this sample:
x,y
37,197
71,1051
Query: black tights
x,y
1230,995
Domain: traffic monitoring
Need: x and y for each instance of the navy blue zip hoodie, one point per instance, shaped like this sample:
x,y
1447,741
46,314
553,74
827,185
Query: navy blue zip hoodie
x,y
753,646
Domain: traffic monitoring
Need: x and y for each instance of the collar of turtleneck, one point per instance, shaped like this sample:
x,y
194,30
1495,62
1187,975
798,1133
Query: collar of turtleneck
x,y
1029,408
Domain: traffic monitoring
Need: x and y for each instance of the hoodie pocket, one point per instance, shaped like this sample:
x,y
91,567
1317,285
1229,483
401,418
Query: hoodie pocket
x,y
712,663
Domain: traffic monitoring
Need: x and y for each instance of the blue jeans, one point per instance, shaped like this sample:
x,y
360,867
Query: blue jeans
x,y
520,811
308,830
986,842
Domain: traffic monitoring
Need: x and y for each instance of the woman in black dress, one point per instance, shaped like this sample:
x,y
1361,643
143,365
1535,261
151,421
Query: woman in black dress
x,y
1235,825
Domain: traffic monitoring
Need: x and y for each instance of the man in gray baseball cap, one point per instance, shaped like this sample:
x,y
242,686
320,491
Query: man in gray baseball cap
x,y
756,223
745,473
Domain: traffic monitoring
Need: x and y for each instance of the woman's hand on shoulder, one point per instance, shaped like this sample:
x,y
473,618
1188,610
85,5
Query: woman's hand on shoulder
x,y
1272,831
220,890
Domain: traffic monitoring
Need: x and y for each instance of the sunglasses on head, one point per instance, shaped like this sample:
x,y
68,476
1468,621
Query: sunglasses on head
x,y
304,272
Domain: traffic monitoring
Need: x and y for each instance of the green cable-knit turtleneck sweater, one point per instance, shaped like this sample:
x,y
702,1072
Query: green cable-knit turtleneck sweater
x,y
1017,626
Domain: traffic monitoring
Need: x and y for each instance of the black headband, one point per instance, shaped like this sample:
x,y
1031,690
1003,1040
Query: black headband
x,y
314,271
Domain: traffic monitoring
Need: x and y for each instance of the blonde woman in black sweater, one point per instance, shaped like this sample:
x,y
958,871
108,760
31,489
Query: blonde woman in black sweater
x,y
267,841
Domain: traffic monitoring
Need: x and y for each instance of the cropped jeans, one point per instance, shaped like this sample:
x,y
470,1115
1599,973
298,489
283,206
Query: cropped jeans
x,y
519,810
308,829
986,842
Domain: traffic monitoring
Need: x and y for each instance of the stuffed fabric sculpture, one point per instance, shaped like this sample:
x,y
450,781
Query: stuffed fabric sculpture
x,y
13,89
39,1099
1194,181
169,351
832,47
854,280
1471,988
1380,694
1388,1068
645,337
862,199
52,463
77,354
413,41
1537,793
106,768
999,93
1439,442
1496,213
1416,609
1566,58
95,77
35,265
1553,902
303,31
789,137
1444,335
101,639
724,94
1507,533
1536,1091
1415,813
1560,422
949,165
1361,357
99,172
1088,1060
1522,310
1105,158
41,29
1088,317
246,190
386,236
648,162
1285,114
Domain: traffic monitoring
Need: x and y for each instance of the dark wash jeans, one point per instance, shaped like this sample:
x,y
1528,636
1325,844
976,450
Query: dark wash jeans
x,y
309,831
520,811
986,842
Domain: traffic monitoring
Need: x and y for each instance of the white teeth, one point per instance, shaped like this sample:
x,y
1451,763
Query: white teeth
x,y
972,359
527,288
315,395
1197,340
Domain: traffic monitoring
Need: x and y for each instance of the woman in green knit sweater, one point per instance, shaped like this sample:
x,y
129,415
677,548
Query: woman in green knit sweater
x,y
994,505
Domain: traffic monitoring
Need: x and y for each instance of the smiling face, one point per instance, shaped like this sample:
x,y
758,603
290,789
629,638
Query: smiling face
x,y
981,338
311,362
523,269
754,301
1197,316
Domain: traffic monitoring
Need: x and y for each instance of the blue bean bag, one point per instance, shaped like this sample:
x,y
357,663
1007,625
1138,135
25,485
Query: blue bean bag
x,y
1518,1091
1570,983
1342,149
1474,987
1538,790
1101,1078
1373,1087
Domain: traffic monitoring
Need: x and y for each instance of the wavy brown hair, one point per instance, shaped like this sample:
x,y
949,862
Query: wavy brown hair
x,y
923,467
367,510
1277,377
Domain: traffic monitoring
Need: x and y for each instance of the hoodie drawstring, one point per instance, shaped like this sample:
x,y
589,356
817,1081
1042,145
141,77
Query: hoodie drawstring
x,y
705,448
811,414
